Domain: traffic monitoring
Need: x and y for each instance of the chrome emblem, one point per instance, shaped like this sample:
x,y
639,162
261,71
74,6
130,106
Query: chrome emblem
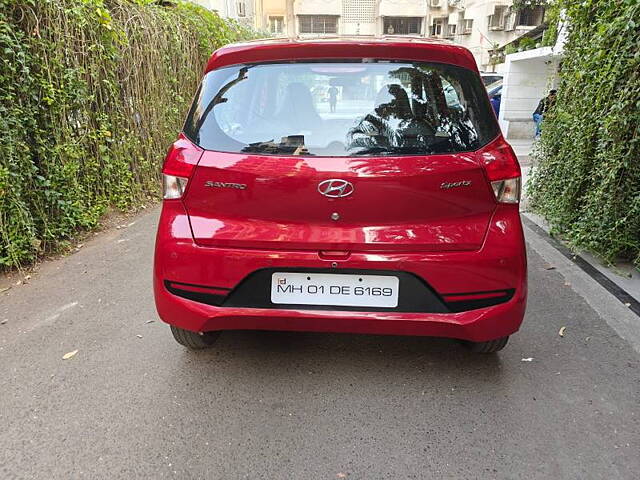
x,y
461,183
237,186
335,188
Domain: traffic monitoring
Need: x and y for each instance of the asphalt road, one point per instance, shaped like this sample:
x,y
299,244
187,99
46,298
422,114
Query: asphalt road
x,y
303,406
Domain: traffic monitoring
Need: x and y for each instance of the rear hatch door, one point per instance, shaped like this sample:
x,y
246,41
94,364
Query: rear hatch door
x,y
429,203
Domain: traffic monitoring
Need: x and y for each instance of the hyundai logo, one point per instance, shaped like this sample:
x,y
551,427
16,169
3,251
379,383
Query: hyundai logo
x,y
335,188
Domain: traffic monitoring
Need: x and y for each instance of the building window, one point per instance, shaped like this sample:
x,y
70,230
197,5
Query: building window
x,y
241,8
451,30
276,24
318,23
438,27
402,25
467,27
497,20
530,16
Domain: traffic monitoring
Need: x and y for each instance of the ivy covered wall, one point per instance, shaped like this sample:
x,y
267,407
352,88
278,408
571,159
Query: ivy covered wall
x,y
587,182
92,92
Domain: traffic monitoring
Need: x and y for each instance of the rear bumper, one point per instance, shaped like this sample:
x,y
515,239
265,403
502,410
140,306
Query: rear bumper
x,y
475,325
499,264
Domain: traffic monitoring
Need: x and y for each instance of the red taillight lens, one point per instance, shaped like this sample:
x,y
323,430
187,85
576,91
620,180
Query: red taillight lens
x,y
499,161
503,170
181,159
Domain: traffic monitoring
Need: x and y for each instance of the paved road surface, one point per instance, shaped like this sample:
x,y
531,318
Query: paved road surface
x,y
301,406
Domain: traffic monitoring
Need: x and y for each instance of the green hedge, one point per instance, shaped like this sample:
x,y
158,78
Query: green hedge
x,y
587,183
91,94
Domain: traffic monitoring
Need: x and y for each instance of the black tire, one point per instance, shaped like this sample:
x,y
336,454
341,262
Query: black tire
x,y
194,340
491,346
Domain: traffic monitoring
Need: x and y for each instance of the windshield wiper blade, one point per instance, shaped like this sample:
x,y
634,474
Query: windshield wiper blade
x,y
275,148
423,150
262,147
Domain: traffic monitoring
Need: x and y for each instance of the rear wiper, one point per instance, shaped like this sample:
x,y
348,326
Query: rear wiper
x,y
263,147
291,145
422,150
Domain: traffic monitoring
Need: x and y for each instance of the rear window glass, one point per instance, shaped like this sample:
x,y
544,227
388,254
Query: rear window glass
x,y
341,109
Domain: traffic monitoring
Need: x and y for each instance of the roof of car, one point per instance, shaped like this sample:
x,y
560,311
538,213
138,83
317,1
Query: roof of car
x,y
386,47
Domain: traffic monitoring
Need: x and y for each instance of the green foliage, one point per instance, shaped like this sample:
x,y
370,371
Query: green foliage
x,y
526,43
91,94
550,35
587,183
551,19
509,49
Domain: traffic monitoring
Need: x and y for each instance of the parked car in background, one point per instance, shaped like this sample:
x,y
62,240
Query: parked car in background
x,y
489,77
395,214
494,91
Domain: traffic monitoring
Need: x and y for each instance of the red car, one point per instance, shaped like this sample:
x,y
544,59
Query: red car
x,y
390,209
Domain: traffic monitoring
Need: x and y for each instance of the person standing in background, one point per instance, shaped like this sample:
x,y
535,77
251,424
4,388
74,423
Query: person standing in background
x,y
543,106
333,98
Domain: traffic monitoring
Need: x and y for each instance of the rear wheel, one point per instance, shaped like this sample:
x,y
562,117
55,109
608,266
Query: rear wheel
x,y
491,346
194,340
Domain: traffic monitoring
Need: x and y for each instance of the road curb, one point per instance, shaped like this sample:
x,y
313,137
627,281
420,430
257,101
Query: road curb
x,y
576,271
616,290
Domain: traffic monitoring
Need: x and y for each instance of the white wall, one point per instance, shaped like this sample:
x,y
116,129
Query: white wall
x,y
402,8
228,9
528,77
218,5
317,7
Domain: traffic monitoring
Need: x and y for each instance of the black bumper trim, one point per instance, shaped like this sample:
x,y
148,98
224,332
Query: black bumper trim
x,y
200,297
464,305
416,296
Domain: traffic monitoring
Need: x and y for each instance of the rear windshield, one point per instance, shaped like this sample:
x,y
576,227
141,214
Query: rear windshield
x,y
341,109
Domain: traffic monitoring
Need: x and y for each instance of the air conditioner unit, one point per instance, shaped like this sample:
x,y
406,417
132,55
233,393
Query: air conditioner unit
x,y
435,3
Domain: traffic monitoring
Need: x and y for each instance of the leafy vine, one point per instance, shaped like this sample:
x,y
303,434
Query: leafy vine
x,y
91,94
587,182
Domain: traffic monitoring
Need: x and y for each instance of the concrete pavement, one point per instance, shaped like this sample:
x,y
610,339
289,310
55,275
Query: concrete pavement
x,y
132,403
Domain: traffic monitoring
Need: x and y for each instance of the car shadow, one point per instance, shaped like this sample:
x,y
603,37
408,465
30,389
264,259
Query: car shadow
x,y
271,352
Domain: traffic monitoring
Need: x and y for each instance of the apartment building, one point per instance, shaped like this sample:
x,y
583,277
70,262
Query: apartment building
x,y
484,25
242,11
479,25
276,17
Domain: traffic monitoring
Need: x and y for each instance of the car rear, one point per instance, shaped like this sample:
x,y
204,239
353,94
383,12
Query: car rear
x,y
391,209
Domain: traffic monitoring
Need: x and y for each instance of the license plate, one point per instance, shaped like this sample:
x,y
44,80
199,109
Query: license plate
x,y
334,289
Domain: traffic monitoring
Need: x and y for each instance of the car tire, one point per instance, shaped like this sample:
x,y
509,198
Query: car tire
x,y
491,346
194,340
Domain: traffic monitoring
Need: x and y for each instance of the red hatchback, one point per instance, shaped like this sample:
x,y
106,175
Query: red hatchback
x,y
337,185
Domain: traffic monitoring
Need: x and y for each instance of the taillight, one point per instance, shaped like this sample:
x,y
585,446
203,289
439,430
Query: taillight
x,y
503,170
507,191
181,160
173,187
